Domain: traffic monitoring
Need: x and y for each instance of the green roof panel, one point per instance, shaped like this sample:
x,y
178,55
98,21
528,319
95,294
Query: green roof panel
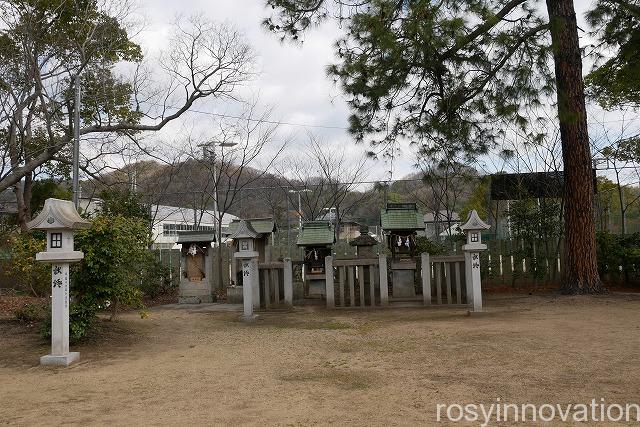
x,y
260,225
315,233
401,219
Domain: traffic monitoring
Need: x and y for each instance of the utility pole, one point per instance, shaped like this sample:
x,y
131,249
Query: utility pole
x,y
210,147
299,211
288,229
76,144
305,190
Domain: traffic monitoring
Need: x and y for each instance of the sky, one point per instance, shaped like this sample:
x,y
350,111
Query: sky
x,y
291,80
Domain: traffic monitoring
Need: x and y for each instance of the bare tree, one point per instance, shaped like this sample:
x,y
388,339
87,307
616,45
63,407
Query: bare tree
x,y
448,181
323,178
619,148
47,46
236,158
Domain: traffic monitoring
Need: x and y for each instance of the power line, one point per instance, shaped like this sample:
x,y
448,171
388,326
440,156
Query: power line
x,y
387,182
286,187
251,119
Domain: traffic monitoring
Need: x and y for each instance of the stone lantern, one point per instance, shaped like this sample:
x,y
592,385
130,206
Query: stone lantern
x,y
473,229
364,244
245,237
59,219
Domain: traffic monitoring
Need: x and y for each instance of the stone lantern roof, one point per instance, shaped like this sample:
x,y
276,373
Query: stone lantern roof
x,y
474,223
364,239
58,215
244,230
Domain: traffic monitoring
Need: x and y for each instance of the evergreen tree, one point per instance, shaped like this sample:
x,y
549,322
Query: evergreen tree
x,y
451,75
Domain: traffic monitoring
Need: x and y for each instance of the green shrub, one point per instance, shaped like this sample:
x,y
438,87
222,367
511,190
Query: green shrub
x,y
30,313
115,248
82,320
157,279
109,277
29,276
423,244
616,251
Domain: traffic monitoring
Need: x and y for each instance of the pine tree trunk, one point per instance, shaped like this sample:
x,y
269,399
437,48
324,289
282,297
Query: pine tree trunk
x,y
580,269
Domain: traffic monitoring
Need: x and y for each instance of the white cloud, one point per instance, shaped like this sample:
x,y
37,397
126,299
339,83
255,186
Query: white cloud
x,y
293,78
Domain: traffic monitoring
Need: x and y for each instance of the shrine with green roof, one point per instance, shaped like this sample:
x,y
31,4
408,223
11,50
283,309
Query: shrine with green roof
x,y
316,238
400,222
264,229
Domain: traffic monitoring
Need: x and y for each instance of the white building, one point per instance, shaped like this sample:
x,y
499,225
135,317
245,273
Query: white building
x,y
168,220
442,224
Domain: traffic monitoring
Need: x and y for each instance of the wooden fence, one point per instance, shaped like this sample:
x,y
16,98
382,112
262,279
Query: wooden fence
x,y
271,284
519,262
361,283
355,283
444,281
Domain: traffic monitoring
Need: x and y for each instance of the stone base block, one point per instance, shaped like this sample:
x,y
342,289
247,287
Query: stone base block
x,y
195,299
317,287
234,295
251,318
403,284
60,360
472,313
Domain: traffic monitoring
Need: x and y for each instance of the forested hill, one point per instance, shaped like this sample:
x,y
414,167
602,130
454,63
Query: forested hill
x,y
255,193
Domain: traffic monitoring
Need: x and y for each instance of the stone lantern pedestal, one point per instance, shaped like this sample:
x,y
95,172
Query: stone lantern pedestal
x,y
245,237
473,228
59,218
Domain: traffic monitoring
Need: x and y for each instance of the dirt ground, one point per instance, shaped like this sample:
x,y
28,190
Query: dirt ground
x,y
316,367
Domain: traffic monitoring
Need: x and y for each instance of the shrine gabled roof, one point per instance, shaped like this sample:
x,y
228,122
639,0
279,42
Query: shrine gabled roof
x,y
401,217
260,225
316,233
196,236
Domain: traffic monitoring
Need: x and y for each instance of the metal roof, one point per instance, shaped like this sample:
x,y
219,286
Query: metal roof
x,y
181,215
260,225
316,233
196,236
403,216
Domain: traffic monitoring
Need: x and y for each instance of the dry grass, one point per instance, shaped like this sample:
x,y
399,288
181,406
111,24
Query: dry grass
x,y
342,378
316,367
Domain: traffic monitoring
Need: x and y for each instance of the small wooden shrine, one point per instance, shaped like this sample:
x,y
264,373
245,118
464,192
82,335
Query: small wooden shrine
x,y
317,238
196,266
400,222
264,229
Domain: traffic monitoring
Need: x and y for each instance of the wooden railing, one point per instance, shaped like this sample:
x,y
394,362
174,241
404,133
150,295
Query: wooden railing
x,y
444,280
360,283
354,283
275,280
